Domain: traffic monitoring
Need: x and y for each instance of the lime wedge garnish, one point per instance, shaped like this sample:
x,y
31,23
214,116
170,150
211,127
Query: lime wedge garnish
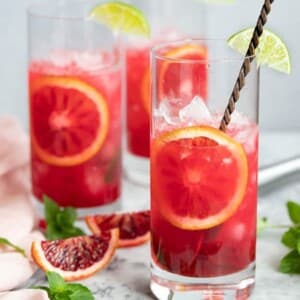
x,y
122,17
272,51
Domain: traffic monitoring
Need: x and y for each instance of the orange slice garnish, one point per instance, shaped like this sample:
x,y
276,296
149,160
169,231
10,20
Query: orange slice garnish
x,y
69,120
199,176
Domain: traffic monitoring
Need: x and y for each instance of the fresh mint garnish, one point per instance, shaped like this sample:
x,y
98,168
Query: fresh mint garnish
x,y
294,212
60,221
290,264
291,239
60,290
6,242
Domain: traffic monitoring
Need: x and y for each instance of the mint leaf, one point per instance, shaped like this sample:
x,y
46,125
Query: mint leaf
x,y
294,211
291,237
56,282
290,263
61,290
80,292
60,221
51,209
298,247
54,232
6,242
262,224
66,217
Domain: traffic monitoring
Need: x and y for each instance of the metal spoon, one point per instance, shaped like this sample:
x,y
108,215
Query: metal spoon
x,y
270,174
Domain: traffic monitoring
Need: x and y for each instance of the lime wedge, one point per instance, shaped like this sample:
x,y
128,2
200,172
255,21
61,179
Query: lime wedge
x,y
122,17
272,51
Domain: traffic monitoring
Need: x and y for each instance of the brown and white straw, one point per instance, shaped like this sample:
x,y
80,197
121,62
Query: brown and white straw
x,y
245,69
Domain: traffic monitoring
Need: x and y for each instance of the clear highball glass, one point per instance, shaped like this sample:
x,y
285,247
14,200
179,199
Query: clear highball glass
x,y
203,180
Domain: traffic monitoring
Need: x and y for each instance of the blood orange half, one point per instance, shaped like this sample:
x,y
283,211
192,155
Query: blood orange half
x,y
199,176
76,258
69,120
134,227
183,73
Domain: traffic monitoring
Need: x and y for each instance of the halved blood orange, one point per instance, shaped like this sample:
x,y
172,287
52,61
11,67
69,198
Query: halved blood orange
x,y
183,80
134,227
199,176
76,258
69,120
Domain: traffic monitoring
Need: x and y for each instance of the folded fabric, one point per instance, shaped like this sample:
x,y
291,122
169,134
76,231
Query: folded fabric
x,y
15,268
17,214
14,150
25,295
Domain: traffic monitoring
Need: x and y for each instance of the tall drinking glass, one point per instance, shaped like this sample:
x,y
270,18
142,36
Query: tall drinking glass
x,y
203,180
74,76
169,20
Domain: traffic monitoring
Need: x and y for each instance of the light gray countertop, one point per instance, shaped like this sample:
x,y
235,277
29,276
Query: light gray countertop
x,y
127,277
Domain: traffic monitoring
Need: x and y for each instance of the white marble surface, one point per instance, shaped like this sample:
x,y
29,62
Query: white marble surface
x,y
127,278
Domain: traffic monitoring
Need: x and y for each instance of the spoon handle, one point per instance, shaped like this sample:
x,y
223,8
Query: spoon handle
x,y
271,173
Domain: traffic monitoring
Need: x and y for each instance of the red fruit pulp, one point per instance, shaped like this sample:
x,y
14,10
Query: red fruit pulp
x,y
95,181
221,250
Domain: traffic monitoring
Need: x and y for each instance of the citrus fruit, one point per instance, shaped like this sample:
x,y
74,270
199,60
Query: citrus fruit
x,y
69,120
199,176
145,91
122,17
183,80
76,258
134,227
272,51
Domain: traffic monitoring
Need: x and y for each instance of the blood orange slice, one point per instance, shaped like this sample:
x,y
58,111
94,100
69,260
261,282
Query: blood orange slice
x,y
199,176
76,258
69,120
134,227
183,80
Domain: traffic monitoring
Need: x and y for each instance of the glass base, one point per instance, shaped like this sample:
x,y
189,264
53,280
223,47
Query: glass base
x,y
137,169
167,286
81,212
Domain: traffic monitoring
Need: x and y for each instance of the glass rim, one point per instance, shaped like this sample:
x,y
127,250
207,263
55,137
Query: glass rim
x,y
155,52
39,10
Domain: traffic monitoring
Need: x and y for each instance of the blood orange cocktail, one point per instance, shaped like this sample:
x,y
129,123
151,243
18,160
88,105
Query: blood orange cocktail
x,y
204,191
75,125
138,90
203,180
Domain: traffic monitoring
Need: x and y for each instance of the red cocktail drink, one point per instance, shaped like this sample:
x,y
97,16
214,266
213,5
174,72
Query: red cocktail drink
x,y
203,180
75,132
198,229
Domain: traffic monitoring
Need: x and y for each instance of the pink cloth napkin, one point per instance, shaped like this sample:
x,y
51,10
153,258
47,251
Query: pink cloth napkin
x,y
17,215
25,295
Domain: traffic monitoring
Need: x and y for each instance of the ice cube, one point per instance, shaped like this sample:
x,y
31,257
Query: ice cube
x,y
61,58
195,111
89,60
238,118
168,112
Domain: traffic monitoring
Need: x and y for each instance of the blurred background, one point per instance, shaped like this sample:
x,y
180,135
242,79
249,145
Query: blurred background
x,y
279,107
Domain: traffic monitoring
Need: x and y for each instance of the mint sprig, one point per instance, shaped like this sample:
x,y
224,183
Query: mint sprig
x,y
60,290
6,242
290,263
60,221
291,238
